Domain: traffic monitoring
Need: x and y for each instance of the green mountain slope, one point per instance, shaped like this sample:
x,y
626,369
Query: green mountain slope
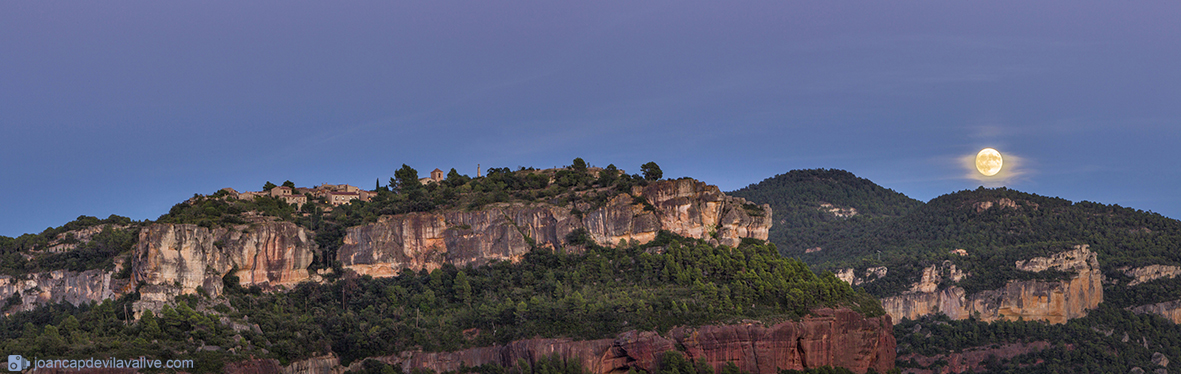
x,y
813,207
994,228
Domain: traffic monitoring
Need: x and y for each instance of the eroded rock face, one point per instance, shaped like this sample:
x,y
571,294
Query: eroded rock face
x,y
1150,273
507,231
971,360
173,259
1001,203
60,286
831,338
1169,309
1055,302
871,274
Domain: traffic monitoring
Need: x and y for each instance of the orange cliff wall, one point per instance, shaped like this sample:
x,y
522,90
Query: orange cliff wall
x,y
1053,301
503,231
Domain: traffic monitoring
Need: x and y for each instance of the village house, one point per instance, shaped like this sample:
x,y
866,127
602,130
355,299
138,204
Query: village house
x,y
334,194
280,191
298,200
289,196
338,198
337,194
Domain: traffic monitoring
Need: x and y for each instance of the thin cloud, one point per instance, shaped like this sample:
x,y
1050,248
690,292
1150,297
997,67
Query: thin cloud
x,y
1012,171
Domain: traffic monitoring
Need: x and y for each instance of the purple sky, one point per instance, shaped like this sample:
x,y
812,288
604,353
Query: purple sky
x,y
130,107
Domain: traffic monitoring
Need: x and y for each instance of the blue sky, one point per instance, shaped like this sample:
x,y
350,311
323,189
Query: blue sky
x,y
128,107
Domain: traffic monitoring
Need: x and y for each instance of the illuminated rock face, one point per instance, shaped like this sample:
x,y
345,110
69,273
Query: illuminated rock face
x,y
1150,273
1054,301
59,286
507,231
176,259
840,338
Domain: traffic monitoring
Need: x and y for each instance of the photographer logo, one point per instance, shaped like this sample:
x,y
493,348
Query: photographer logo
x,y
17,363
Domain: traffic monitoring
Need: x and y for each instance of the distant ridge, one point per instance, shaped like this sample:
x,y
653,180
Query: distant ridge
x,y
812,203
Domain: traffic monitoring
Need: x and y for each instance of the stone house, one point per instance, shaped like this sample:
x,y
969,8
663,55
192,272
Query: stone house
x,y
338,198
337,188
280,191
298,200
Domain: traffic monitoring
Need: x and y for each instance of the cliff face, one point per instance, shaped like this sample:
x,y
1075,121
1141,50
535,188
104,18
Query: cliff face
x,y
971,360
60,286
871,274
1054,302
1169,309
1150,273
175,259
508,231
832,337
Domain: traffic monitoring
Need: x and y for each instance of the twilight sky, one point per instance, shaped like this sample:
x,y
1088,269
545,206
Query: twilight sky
x,y
128,107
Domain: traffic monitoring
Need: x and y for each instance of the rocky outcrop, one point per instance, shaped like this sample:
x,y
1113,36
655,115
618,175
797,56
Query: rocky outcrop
x,y
1052,301
871,274
1171,310
507,231
971,360
1150,273
59,286
1000,203
69,240
329,364
830,338
174,259
836,211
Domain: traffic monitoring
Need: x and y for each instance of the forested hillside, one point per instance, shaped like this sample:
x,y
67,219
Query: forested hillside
x,y
818,206
994,226
983,232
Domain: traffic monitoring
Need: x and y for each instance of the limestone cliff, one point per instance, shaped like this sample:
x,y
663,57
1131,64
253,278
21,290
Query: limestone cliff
x,y
172,259
871,274
507,231
1171,310
1150,273
830,338
1052,301
60,286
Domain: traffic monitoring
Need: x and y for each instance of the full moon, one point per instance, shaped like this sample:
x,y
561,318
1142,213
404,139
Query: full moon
x,y
988,161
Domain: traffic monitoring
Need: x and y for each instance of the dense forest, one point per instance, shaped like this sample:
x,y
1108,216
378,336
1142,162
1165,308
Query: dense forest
x,y
801,222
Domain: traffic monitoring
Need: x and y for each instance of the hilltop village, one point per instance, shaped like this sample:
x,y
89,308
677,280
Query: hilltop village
x,y
339,194
331,194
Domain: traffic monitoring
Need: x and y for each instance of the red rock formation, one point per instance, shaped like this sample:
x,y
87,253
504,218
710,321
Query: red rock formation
x,y
830,338
971,359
